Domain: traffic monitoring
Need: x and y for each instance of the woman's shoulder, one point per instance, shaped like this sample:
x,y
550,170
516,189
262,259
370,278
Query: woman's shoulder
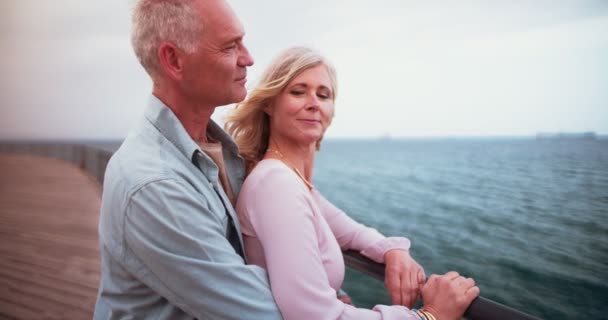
x,y
273,185
269,165
273,179
271,172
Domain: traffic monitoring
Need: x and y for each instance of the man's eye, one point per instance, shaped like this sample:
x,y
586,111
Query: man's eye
x,y
323,96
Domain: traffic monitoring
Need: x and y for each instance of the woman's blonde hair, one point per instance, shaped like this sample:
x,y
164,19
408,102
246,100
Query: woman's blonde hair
x,y
248,124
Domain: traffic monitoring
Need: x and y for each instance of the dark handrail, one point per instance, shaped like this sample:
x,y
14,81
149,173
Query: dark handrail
x,y
480,309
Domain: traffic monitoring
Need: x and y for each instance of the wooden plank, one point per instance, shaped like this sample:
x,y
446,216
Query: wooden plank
x,y
79,271
49,210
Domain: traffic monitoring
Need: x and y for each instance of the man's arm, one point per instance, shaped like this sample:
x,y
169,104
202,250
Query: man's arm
x,y
177,247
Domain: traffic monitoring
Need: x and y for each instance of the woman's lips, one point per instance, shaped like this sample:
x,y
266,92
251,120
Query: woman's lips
x,y
310,121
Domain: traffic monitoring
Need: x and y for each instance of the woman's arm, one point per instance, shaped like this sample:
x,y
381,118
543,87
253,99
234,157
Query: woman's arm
x,y
404,276
356,236
281,212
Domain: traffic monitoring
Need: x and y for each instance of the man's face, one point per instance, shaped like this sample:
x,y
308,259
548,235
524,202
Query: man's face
x,y
216,74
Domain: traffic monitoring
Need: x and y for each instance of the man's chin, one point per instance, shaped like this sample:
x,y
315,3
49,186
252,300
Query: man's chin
x,y
233,100
240,96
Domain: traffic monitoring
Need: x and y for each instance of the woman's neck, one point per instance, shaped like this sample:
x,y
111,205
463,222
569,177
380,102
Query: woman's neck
x,y
299,157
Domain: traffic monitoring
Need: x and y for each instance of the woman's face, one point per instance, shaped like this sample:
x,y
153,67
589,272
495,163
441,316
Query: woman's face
x,y
304,109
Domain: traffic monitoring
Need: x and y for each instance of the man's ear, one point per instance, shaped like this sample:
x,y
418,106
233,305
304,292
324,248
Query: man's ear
x,y
171,60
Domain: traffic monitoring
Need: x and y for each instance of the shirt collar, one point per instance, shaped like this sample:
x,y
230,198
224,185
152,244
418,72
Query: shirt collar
x,y
163,118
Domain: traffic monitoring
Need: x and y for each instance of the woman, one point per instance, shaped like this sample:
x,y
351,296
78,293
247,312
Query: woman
x,y
291,230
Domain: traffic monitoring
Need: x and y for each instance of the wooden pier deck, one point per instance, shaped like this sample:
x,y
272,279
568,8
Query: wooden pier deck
x,y
49,266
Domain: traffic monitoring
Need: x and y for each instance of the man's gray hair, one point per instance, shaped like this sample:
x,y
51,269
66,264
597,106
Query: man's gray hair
x,y
157,21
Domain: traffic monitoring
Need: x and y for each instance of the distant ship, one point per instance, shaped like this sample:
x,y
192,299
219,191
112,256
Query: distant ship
x,y
589,135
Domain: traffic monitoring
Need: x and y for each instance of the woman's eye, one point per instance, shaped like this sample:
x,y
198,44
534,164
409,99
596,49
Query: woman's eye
x,y
323,94
297,93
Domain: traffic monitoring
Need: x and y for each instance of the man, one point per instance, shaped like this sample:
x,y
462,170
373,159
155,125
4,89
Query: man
x,y
169,236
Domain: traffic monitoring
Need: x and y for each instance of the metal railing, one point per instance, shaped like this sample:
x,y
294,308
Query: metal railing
x,y
91,158
480,309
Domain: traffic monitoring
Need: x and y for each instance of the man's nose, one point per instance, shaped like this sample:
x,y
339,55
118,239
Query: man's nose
x,y
245,59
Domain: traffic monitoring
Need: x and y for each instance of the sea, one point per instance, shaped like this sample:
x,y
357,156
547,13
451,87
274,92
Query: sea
x,y
526,218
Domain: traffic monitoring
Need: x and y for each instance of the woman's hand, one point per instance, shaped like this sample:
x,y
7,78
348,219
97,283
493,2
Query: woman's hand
x,y
448,296
346,299
404,277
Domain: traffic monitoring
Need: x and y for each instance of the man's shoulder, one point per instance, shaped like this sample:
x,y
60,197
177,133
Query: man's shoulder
x,y
143,158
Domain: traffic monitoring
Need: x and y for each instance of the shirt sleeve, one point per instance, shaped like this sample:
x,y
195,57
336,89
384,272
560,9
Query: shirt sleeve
x,y
280,209
356,236
179,249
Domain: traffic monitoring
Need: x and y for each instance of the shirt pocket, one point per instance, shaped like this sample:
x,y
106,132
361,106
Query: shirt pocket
x,y
216,206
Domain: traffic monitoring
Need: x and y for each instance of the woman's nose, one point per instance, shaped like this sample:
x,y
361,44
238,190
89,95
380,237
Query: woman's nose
x,y
313,102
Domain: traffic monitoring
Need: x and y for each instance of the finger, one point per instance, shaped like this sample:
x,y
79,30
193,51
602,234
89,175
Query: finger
x,y
468,282
410,302
452,275
403,290
420,280
471,293
346,299
413,279
415,296
407,294
413,288
406,300
393,286
421,276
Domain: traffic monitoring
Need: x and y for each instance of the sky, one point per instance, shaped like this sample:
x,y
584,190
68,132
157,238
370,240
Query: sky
x,y
405,68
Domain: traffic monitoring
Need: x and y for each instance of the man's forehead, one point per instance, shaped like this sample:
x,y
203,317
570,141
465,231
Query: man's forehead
x,y
218,16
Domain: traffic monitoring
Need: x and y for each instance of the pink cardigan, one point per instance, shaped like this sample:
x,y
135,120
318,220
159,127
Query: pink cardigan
x,y
297,236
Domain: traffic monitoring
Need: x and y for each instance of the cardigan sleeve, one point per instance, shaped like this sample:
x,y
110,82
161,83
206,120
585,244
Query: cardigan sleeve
x,y
281,213
356,236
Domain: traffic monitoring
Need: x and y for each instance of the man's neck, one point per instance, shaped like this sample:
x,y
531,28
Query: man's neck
x,y
193,116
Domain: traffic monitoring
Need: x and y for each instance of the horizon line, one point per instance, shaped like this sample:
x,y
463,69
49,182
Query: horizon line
x,y
542,135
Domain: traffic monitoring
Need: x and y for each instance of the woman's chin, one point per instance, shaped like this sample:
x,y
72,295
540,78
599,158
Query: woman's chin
x,y
308,140
305,137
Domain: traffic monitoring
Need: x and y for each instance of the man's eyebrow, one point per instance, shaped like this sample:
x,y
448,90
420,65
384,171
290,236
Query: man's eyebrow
x,y
231,40
234,37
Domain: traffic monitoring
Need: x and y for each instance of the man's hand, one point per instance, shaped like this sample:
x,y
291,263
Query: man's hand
x,y
404,277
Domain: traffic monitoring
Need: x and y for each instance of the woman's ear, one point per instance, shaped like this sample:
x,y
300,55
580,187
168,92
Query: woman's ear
x,y
268,109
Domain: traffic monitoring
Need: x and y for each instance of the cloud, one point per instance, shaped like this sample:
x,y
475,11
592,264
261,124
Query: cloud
x,y
404,67
509,80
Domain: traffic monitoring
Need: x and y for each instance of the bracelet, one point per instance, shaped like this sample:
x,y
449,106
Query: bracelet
x,y
417,312
425,315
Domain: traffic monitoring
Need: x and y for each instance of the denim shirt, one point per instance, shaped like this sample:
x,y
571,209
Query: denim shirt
x,y
163,230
